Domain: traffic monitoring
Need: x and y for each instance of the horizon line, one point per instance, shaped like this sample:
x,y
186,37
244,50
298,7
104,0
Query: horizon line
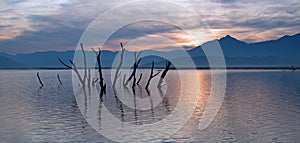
x,y
161,50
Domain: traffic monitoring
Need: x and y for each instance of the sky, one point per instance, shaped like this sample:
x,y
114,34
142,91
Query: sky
x,y
28,26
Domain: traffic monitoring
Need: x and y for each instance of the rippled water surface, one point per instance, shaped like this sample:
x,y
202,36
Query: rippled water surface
x,y
259,106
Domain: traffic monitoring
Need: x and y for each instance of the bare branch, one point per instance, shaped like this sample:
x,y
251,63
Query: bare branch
x,y
64,64
139,54
135,66
163,75
135,57
139,61
84,60
151,76
119,66
156,74
139,79
77,73
95,51
74,69
71,62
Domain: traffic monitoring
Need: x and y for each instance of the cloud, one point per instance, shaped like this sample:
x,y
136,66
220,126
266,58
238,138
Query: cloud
x,y
33,25
46,40
16,16
247,20
141,29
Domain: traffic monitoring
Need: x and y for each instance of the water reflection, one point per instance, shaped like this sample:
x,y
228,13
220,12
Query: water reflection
x,y
130,107
259,106
137,105
30,114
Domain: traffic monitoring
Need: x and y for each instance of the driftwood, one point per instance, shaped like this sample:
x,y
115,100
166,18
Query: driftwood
x,y
151,76
38,76
58,78
102,84
117,74
137,61
164,73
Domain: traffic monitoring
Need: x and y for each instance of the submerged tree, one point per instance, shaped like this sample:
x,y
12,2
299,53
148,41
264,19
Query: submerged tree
x,y
117,74
75,69
102,84
58,78
151,76
39,78
84,62
137,61
164,73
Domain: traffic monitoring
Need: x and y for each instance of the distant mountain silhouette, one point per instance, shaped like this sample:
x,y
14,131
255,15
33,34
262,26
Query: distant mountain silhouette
x,y
8,63
281,52
287,46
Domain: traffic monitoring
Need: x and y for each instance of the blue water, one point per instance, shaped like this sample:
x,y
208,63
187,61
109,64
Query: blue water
x,y
259,106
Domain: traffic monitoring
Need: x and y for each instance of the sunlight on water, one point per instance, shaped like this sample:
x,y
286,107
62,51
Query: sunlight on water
x,y
259,106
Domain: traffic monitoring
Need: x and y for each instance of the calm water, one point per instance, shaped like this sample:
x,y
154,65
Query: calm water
x,y
259,106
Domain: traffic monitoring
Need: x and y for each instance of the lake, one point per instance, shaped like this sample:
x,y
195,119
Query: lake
x,y
258,106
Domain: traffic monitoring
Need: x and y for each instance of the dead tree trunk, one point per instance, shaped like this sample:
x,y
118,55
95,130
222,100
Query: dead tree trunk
x,y
135,66
84,60
102,84
151,76
58,78
163,75
38,75
74,68
117,74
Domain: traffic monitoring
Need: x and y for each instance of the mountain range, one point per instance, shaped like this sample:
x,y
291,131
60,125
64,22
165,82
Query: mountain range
x,y
280,52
